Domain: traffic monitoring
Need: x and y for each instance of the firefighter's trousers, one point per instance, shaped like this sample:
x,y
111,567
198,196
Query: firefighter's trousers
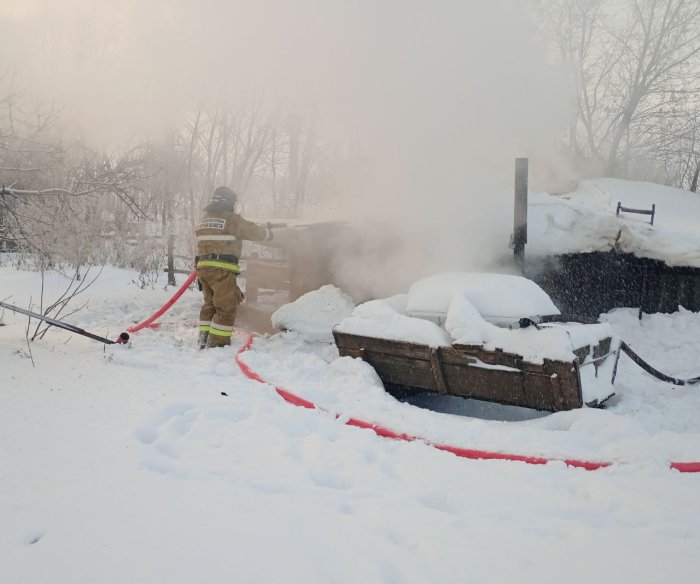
x,y
221,299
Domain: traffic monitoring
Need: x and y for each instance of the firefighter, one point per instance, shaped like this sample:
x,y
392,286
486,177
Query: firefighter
x,y
220,236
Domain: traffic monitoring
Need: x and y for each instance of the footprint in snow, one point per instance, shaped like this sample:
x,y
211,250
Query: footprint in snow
x,y
33,538
146,435
324,477
438,501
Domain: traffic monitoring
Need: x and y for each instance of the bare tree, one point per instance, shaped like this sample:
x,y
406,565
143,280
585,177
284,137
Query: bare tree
x,y
259,149
634,67
50,191
680,151
70,205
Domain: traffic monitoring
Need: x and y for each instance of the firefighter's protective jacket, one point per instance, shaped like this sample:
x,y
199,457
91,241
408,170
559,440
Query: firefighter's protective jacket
x,y
221,233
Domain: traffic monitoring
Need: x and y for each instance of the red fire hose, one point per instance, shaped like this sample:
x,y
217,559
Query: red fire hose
x,y
456,450
163,309
470,453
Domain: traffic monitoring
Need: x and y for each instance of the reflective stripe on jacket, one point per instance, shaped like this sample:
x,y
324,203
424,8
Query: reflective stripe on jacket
x,y
219,264
223,233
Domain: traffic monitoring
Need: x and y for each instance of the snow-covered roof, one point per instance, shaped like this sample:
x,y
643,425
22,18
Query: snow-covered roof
x,y
585,221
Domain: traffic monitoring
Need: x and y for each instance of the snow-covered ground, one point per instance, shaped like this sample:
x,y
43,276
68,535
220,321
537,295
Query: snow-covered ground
x,y
128,464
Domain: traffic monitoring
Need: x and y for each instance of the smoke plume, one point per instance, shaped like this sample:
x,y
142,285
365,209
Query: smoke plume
x,y
434,99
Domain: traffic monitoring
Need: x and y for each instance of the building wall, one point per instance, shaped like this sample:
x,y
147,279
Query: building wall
x,y
589,284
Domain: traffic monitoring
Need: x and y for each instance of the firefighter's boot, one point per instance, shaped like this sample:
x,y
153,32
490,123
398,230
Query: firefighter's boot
x,y
202,340
217,341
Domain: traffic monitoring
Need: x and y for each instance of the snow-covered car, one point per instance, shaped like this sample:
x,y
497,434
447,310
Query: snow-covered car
x,y
486,336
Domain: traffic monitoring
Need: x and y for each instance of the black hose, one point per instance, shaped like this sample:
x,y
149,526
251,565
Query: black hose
x,y
655,372
524,322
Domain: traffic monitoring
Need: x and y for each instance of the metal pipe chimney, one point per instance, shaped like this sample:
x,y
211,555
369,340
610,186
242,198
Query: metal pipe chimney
x,y
520,213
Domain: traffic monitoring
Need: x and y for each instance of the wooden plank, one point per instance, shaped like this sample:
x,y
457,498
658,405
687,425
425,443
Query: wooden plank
x,y
402,371
496,357
438,373
392,361
388,346
542,393
492,385
564,389
455,356
469,371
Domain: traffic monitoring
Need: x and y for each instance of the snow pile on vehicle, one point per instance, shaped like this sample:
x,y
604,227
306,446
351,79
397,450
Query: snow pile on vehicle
x,y
315,313
464,323
586,221
555,341
497,297
386,319
466,305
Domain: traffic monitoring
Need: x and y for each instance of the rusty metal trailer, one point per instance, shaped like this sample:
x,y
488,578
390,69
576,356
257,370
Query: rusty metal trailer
x,y
470,371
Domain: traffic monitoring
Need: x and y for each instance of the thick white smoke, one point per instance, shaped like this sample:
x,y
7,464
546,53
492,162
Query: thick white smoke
x,y
437,98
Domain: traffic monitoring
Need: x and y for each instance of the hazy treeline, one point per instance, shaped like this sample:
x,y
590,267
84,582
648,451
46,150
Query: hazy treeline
x,y
74,204
630,69
633,68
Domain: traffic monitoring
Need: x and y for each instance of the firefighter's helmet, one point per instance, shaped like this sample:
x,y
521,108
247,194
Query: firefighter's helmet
x,y
224,195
